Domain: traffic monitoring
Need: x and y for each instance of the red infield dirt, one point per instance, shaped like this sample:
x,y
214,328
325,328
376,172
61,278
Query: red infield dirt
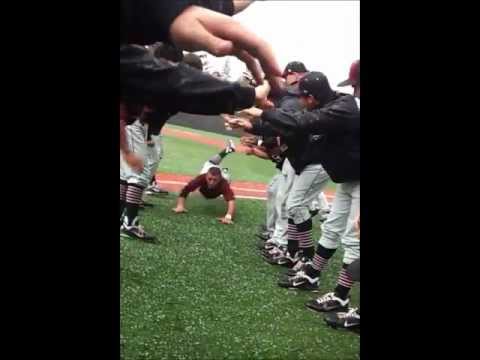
x,y
242,189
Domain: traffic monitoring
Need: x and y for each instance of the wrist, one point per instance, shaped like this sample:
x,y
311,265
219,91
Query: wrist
x,y
228,217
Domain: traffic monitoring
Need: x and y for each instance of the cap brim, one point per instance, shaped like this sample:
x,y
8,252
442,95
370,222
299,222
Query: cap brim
x,y
345,83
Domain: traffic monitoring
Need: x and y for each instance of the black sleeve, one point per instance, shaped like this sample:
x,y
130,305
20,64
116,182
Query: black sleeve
x,y
148,21
173,88
287,104
262,128
317,121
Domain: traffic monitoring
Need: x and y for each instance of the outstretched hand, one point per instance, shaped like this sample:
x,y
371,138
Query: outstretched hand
x,y
237,122
179,210
225,220
198,28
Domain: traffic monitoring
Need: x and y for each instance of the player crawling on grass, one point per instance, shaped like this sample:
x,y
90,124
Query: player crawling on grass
x,y
212,182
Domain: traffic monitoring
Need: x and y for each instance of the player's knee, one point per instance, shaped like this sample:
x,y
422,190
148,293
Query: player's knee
x,y
299,214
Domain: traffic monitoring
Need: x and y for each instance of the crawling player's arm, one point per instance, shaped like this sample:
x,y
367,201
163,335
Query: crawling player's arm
x,y
187,189
228,218
180,208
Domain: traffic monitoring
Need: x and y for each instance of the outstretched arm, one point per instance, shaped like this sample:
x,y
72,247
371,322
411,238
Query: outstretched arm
x,y
180,208
227,219
187,189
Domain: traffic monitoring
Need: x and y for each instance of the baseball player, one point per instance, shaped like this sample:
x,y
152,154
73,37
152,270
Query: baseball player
x,y
332,122
347,319
267,148
212,182
303,178
340,121
133,183
340,228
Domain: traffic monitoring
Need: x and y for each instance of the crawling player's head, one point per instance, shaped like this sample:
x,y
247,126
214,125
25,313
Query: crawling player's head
x,y
213,177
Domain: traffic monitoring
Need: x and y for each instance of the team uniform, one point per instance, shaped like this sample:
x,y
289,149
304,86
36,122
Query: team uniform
x,y
341,229
339,153
200,183
303,180
222,188
133,184
155,152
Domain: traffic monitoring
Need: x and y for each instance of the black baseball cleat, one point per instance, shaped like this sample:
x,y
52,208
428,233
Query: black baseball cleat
x,y
301,265
263,235
300,281
136,231
266,245
328,302
344,320
155,190
283,258
262,228
275,256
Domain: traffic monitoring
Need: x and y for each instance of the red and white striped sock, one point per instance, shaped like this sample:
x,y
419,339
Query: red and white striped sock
x,y
319,263
292,237
123,195
133,201
344,283
305,239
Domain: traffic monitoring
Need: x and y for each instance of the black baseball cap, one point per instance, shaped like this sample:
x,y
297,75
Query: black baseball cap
x,y
294,67
315,84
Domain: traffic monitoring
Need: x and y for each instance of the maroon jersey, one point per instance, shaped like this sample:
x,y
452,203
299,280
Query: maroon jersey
x,y
200,183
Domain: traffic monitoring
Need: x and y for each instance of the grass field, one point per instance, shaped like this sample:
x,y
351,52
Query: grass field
x,y
186,157
205,293
192,156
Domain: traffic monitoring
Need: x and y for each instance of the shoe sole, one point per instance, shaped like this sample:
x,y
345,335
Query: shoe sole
x,y
132,236
322,310
334,325
300,288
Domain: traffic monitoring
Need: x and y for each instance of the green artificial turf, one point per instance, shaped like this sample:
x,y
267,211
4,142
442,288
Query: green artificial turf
x,y
204,292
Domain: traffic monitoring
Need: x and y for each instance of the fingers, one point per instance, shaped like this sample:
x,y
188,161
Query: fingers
x,y
188,32
277,83
224,27
252,64
247,40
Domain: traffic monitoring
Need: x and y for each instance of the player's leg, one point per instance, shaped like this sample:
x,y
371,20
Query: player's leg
x,y
123,186
154,187
349,319
301,248
271,213
306,188
340,225
136,183
350,243
324,206
123,197
275,246
151,161
229,148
